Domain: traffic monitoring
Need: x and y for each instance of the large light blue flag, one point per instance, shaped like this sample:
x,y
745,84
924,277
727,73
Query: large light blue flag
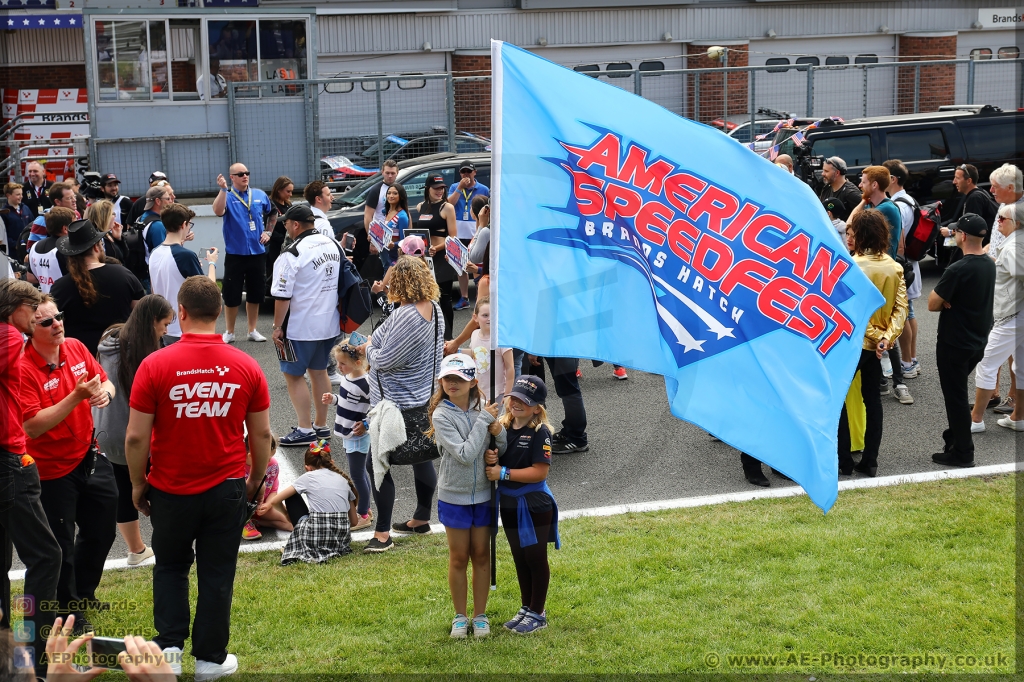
x,y
625,233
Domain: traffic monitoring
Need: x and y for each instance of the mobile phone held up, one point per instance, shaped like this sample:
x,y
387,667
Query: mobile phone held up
x,y
348,242
103,652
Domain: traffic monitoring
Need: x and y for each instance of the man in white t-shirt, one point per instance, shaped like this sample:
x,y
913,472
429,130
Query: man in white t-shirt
x,y
318,195
306,320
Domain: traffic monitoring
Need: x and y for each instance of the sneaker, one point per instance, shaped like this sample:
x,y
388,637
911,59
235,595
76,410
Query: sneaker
x,y
620,373
322,432
531,622
910,371
251,532
977,427
460,627
568,447
481,625
228,337
1008,423
404,528
375,546
134,559
254,335
903,395
883,388
886,366
364,521
1005,407
461,304
520,614
172,655
206,671
950,459
299,437
335,378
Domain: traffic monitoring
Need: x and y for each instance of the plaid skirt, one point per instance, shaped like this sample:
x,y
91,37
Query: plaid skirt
x,y
318,537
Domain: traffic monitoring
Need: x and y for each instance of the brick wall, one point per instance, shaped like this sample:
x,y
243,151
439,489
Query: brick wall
x,y
184,76
473,98
711,101
938,83
43,77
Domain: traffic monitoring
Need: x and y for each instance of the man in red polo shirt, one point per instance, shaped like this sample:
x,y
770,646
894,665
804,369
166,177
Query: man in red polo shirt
x,y
22,520
61,383
189,405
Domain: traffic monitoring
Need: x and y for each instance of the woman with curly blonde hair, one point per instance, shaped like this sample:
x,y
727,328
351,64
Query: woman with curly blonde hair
x,y
403,354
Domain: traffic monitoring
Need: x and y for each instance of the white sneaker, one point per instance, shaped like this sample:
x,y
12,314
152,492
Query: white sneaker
x,y
978,427
206,671
172,655
136,559
1008,423
903,395
254,335
228,337
335,378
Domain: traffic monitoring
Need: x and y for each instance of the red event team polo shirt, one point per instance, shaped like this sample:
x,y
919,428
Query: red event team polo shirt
x,y
199,391
58,451
12,435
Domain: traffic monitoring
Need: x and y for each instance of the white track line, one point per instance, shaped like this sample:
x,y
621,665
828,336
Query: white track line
x,y
681,503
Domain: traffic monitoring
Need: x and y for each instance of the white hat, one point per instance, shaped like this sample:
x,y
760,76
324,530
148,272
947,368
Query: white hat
x,y
462,366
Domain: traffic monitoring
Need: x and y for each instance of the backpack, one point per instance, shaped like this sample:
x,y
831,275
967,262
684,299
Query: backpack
x,y
354,306
908,269
921,235
135,246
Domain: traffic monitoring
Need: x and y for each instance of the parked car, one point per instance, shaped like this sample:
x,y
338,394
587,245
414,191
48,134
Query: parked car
x,y
347,214
932,145
340,167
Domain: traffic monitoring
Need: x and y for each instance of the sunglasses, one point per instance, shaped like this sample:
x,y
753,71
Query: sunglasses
x,y
1002,218
466,172
241,175
59,317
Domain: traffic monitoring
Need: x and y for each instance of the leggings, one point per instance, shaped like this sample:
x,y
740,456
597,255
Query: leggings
x,y
126,511
296,507
531,562
425,478
357,468
447,312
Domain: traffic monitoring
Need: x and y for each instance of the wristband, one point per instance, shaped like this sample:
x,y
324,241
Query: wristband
x,y
110,398
506,475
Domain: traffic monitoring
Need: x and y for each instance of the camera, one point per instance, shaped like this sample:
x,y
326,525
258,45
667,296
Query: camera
x,y
92,187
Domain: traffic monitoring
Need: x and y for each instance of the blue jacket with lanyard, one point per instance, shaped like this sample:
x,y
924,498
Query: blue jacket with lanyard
x,y
527,533
243,221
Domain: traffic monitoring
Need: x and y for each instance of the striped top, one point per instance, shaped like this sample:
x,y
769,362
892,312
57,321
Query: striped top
x,y
353,401
400,357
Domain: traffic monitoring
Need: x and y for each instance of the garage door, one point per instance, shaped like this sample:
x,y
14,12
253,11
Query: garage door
x,y
997,79
410,105
837,92
611,64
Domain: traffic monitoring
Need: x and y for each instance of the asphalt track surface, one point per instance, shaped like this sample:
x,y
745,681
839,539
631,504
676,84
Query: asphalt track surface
x,y
639,452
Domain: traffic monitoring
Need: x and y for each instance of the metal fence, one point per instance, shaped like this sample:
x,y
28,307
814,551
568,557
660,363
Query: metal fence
x,y
190,161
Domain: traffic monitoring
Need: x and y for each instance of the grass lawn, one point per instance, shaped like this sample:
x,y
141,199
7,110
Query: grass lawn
x,y
923,571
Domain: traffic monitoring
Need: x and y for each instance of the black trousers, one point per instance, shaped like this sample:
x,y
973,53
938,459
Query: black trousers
x,y
212,520
88,502
23,526
955,365
567,388
532,569
870,376
425,482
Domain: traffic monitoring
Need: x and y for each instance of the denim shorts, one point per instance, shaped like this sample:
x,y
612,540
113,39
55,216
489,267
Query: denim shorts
x,y
308,355
910,309
464,515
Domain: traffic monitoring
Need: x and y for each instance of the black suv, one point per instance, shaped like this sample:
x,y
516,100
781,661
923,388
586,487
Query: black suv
x,y
931,145
347,214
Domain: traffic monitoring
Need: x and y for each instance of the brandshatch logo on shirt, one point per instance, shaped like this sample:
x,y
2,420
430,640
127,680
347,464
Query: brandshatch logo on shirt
x,y
221,371
51,384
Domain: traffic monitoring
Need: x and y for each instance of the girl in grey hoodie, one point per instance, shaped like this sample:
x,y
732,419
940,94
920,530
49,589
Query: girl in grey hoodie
x,y
462,427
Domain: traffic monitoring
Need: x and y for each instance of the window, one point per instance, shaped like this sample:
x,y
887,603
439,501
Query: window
x,y
1011,52
371,86
248,50
917,145
813,61
777,61
413,83
483,175
131,60
652,66
741,134
980,53
837,61
469,145
990,140
588,69
185,37
854,149
339,88
618,66
866,59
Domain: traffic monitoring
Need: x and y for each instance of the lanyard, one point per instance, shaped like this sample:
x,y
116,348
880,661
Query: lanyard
x,y
469,196
238,196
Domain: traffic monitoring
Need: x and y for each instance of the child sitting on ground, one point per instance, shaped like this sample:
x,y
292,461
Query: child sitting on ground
x,y
275,516
353,401
323,527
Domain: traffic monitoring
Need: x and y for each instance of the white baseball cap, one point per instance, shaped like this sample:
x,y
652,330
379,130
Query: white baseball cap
x,y
462,366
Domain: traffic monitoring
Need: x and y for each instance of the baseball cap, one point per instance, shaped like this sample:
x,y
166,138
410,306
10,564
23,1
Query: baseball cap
x,y
837,163
972,224
458,365
434,181
108,178
467,166
157,175
413,245
154,193
300,213
530,389
834,205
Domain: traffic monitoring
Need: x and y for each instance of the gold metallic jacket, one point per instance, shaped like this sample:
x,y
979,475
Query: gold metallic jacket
x,y
886,274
